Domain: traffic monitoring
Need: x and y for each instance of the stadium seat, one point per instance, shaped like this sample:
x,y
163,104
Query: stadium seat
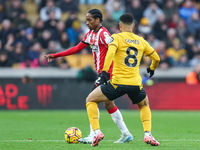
x,y
198,5
100,7
32,18
29,1
83,11
31,8
81,16
64,16
73,60
86,60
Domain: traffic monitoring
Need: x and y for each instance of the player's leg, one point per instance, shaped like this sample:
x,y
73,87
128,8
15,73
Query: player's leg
x,y
89,138
95,97
118,119
145,115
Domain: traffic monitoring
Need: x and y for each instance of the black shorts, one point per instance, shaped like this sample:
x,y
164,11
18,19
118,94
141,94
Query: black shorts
x,y
114,91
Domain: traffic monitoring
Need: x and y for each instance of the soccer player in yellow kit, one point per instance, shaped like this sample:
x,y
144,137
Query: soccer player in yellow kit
x,y
125,50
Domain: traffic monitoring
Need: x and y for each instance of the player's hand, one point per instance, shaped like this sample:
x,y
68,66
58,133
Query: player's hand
x,y
150,71
49,57
104,77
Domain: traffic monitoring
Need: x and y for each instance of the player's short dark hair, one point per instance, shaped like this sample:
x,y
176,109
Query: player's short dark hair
x,y
126,18
96,14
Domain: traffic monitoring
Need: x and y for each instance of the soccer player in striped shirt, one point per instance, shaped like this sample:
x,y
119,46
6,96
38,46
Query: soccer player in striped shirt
x,y
98,38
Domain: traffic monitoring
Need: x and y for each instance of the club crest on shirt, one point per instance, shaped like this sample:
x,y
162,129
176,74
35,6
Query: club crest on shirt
x,y
108,39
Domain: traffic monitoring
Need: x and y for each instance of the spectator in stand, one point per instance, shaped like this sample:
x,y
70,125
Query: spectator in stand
x,y
21,22
108,22
169,9
6,30
197,37
189,42
182,31
165,62
160,27
9,43
136,10
45,11
52,47
15,10
195,60
4,60
109,5
34,51
152,40
74,31
186,10
114,29
2,12
28,40
18,56
61,63
193,23
144,26
63,43
183,61
161,47
68,6
116,12
60,28
38,28
71,19
171,35
193,77
42,61
152,12
52,22
45,39
172,23
20,34
175,52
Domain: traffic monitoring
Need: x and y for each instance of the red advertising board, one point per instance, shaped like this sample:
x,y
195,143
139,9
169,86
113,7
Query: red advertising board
x,y
71,94
173,96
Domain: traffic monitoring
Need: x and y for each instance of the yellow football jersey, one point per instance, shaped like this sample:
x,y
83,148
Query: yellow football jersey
x,y
126,50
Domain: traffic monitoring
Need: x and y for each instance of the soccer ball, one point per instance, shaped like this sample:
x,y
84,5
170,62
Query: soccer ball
x,y
72,135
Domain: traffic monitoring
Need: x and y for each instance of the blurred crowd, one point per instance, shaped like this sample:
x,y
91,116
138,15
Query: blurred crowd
x,y
172,28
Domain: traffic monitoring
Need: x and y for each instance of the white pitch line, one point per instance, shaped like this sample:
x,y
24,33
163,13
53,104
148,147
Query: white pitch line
x,y
164,140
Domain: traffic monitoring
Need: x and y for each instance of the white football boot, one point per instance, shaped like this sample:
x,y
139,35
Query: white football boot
x,y
86,140
125,138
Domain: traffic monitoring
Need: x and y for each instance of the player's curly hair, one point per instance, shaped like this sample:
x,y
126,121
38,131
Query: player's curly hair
x,y
96,14
126,18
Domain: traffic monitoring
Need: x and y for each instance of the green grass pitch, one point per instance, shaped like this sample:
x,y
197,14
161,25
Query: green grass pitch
x,y
44,130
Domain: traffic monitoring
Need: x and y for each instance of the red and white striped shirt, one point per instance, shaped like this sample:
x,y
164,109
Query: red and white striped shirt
x,y
99,45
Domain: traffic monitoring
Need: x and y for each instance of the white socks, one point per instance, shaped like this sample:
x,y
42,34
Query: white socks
x,y
148,133
118,119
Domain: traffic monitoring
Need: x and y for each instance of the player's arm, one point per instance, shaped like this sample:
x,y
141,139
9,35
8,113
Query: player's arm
x,y
150,52
155,60
108,60
105,76
70,51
